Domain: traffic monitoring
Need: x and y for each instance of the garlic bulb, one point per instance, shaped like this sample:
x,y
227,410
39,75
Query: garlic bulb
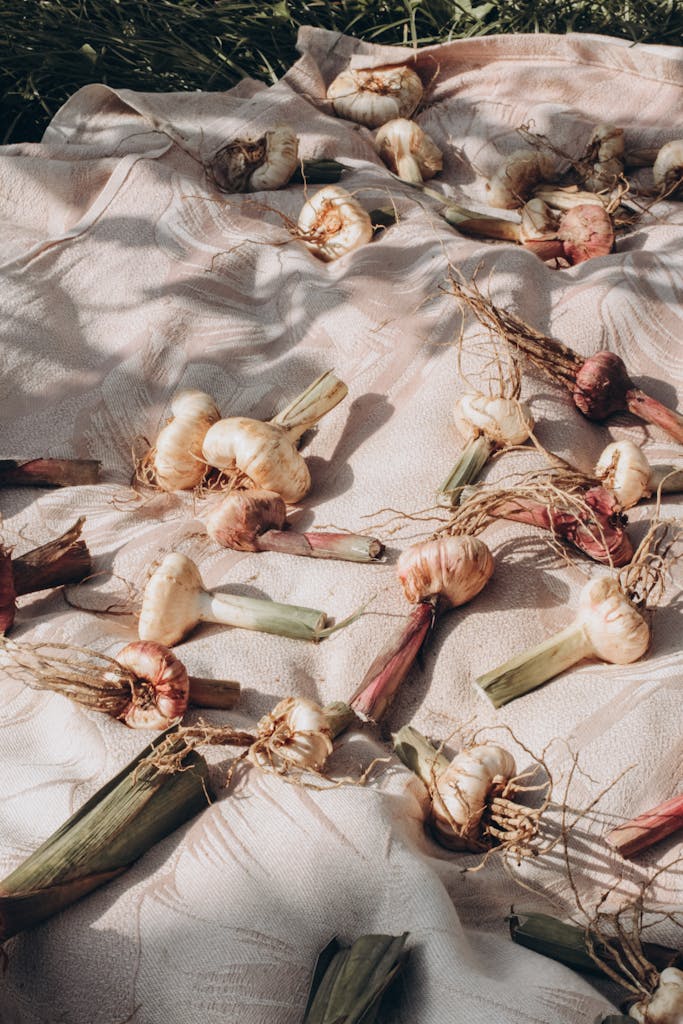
x,y
668,167
408,151
175,601
461,792
665,1005
606,155
539,221
453,568
262,451
586,231
373,96
161,690
504,421
177,455
625,471
607,626
514,182
333,223
295,735
247,165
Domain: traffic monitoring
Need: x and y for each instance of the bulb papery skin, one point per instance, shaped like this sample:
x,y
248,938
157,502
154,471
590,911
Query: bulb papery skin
x,y
504,421
8,595
262,451
538,222
514,182
668,167
606,150
165,696
172,602
254,165
177,459
586,232
454,569
460,794
618,632
295,734
333,223
665,1005
601,386
241,517
408,151
625,471
373,96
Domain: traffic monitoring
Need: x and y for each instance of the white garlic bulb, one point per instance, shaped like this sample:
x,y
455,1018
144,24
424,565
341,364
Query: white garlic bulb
x,y
606,152
408,151
665,1005
333,223
617,631
668,167
505,421
461,791
625,471
263,164
177,456
295,735
373,96
262,451
515,180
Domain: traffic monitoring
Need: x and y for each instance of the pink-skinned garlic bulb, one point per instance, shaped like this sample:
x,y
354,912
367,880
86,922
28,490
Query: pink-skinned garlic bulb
x,y
162,691
408,151
668,168
487,423
373,96
332,223
254,520
518,176
176,458
626,472
472,796
435,575
295,735
608,626
255,165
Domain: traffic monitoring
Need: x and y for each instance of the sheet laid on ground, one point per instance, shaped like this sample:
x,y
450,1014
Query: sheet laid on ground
x,y
127,277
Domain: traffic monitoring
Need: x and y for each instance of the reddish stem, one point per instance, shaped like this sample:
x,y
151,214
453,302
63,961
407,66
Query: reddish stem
x,y
61,561
347,546
49,472
652,411
598,533
648,828
389,669
8,595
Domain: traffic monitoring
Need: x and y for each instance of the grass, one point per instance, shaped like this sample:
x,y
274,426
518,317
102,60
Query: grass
x,y
50,48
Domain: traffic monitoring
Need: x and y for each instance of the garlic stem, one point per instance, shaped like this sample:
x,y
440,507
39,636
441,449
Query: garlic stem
x,y
214,693
481,225
526,671
49,472
266,616
348,547
472,460
391,666
339,717
648,828
316,401
567,198
318,172
418,754
61,561
649,409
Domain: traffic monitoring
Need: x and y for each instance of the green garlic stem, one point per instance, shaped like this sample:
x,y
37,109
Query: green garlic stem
x,y
472,460
266,616
468,222
316,401
530,669
418,754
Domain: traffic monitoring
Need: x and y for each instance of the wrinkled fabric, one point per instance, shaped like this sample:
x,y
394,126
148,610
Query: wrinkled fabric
x,y
127,277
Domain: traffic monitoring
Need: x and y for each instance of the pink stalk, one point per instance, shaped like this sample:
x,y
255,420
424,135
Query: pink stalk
x,y
648,828
389,669
351,547
49,472
599,536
